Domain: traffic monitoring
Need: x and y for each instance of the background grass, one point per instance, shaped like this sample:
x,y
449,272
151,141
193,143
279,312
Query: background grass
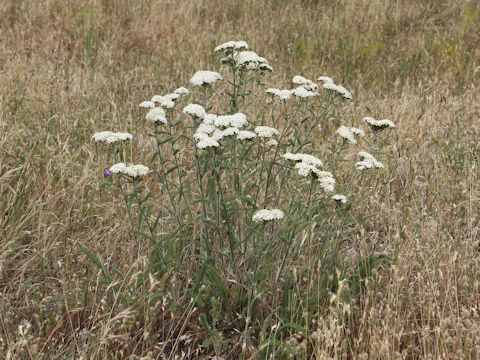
x,y
70,68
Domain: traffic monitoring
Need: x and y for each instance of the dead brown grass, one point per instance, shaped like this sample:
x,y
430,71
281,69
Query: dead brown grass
x,y
69,68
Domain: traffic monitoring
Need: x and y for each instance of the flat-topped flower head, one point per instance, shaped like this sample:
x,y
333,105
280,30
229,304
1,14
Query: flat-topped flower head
x,y
109,137
220,134
195,111
205,78
198,136
266,131
272,142
206,128
305,169
209,119
147,104
379,125
347,134
339,198
326,180
246,135
338,89
280,94
156,116
181,91
167,104
267,215
157,99
173,96
230,46
237,120
250,61
367,161
301,92
304,82
207,142
305,158
134,171
325,79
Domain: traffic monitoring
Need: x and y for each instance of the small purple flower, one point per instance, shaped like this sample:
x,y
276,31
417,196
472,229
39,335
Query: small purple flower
x,y
107,172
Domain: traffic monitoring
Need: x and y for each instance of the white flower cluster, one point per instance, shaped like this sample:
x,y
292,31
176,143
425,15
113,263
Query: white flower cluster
x,y
205,78
248,60
304,158
327,181
266,131
328,84
181,91
130,170
302,92
147,104
156,115
165,101
217,127
246,135
230,46
109,137
368,161
281,94
309,165
267,215
195,110
348,133
340,198
304,82
378,125
238,120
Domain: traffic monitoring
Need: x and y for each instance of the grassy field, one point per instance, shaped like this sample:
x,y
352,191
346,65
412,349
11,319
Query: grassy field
x,y
403,283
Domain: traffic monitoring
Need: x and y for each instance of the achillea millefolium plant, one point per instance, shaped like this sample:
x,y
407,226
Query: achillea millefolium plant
x,y
240,201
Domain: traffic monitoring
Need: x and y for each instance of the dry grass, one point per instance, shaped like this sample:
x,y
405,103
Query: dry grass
x,y
69,68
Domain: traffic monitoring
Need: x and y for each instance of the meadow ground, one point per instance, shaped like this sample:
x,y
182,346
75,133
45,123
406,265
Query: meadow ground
x,y
71,283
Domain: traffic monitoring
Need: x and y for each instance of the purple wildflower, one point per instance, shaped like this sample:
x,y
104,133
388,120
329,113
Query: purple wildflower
x,y
107,172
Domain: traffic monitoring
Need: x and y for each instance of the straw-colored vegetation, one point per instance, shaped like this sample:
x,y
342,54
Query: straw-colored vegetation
x,y
79,279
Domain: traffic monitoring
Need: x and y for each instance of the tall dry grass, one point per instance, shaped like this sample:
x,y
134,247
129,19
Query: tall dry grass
x,y
69,68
